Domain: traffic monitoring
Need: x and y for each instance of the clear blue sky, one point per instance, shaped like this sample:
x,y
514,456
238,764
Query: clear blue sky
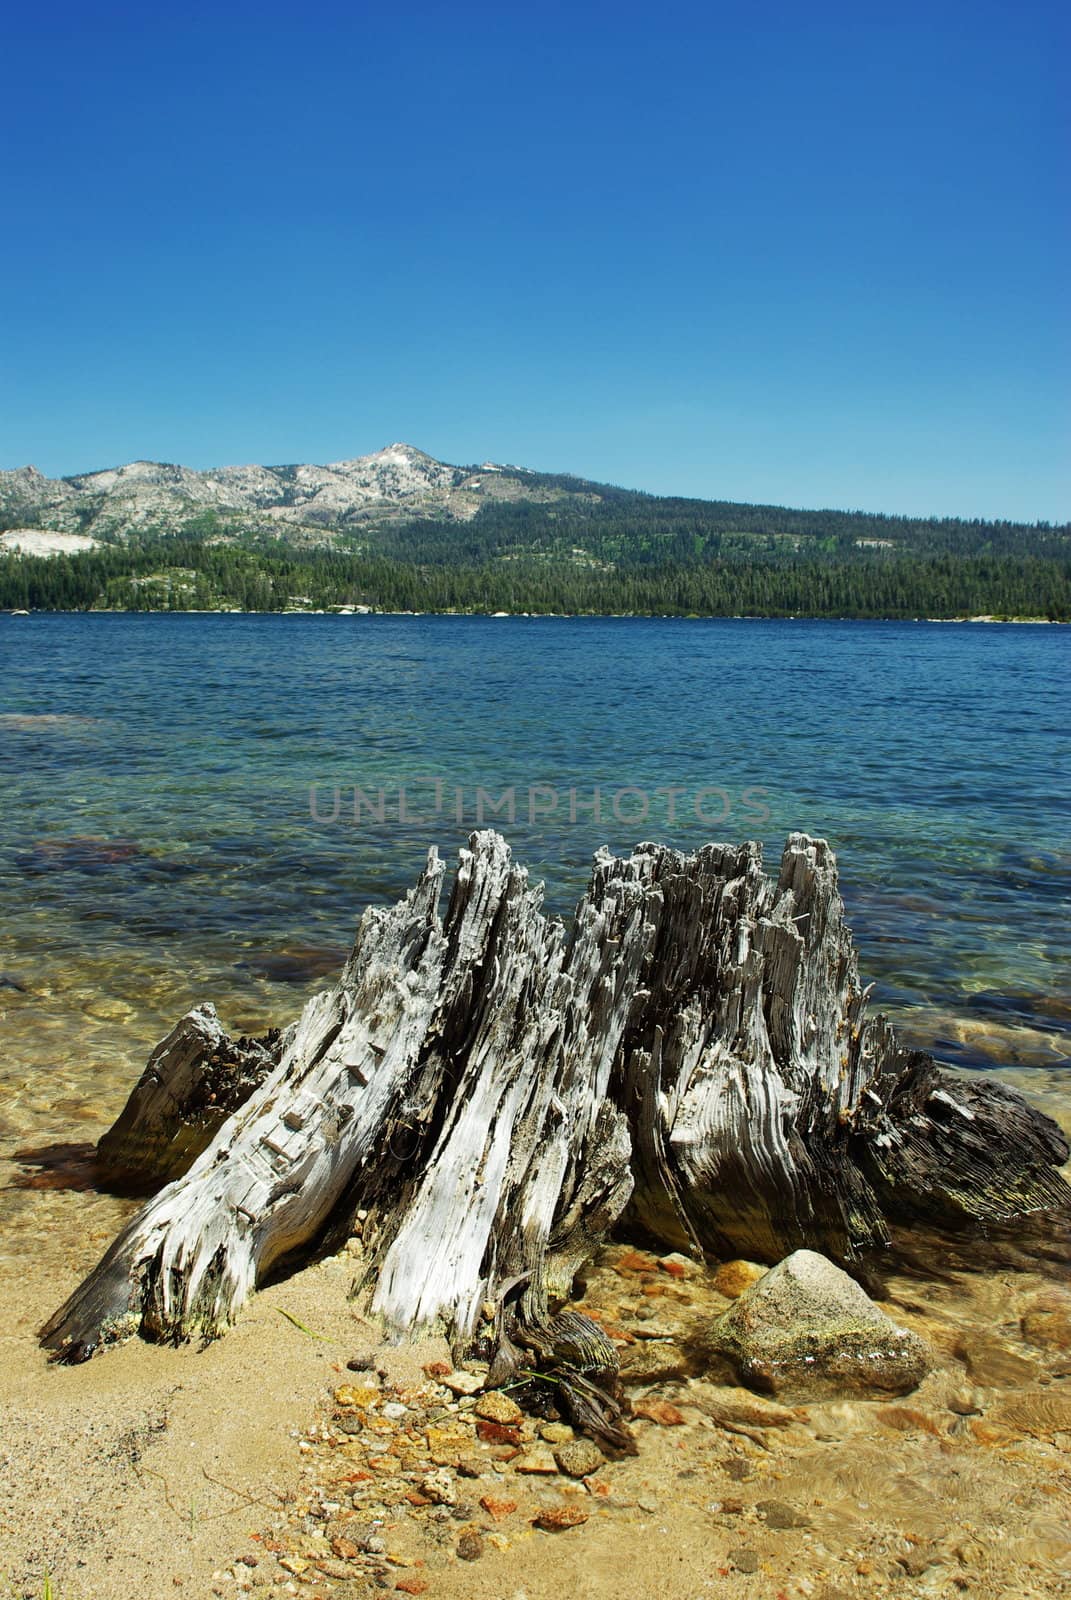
x,y
814,254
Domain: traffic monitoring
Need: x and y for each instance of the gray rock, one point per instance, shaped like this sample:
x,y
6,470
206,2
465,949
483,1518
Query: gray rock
x,y
806,1329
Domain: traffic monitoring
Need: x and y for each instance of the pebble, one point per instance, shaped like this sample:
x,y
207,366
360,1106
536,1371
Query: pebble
x,y
364,1360
744,1560
360,1395
966,1402
660,1411
105,1010
655,1362
780,1515
678,1266
556,1432
579,1458
440,1487
558,1518
470,1545
498,1407
538,1461
733,1277
994,1365
462,1382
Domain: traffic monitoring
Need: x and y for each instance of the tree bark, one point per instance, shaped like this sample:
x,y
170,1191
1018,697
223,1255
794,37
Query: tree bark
x,y
495,1090
193,1081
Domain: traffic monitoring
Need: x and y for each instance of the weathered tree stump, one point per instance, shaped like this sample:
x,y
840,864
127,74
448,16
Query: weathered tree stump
x,y
495,1089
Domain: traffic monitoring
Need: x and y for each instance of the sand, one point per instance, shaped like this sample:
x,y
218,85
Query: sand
x,y
156,1472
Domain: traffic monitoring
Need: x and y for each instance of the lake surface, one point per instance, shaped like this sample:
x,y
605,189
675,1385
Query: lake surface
x,y
158,846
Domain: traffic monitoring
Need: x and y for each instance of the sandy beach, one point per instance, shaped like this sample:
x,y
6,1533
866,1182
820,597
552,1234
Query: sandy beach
x,y
294,1457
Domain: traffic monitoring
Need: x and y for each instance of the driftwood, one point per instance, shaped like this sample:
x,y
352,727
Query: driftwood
x,y
494,1089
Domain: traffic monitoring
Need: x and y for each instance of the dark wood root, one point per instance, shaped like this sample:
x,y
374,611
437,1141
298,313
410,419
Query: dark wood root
x,y
194,1080
494,1090
570,1362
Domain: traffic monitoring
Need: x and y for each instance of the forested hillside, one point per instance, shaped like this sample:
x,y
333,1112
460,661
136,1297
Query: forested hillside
x,y
400,531
188,575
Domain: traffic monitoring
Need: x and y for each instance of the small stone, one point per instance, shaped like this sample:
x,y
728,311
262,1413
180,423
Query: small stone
x,y
470,1467
558,1518
364,1360
345,1549
966,1402
538,1462
660,1411
497,1433
470,1545
498,1407
440,1488
461,1382
636,1261
106,1010
360,1395
497,1507
744,1560
648,1503
733,1277
395,1410
655,1362
411,1585
556,1432
579,1458
994,1365
437,1369
780,1515
676,1265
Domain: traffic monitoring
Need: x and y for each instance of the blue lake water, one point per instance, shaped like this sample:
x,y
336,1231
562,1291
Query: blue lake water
x,y
157,844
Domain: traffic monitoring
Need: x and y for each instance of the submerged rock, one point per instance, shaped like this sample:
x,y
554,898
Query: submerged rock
x,y
807,1329
579,1458
733,1277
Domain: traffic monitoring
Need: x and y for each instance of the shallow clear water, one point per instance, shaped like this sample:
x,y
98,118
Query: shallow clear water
x,y
157,845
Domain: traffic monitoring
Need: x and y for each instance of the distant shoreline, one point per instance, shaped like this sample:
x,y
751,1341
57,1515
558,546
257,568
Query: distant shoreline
x,y
538,616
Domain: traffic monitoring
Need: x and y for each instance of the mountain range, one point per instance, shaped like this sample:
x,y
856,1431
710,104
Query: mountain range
x,y
302,503
403,504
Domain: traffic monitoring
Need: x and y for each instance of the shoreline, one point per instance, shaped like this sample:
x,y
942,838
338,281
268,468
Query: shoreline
x,y
548,616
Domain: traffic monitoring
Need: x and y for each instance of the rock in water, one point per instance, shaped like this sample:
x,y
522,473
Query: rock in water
x,y
807,1329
